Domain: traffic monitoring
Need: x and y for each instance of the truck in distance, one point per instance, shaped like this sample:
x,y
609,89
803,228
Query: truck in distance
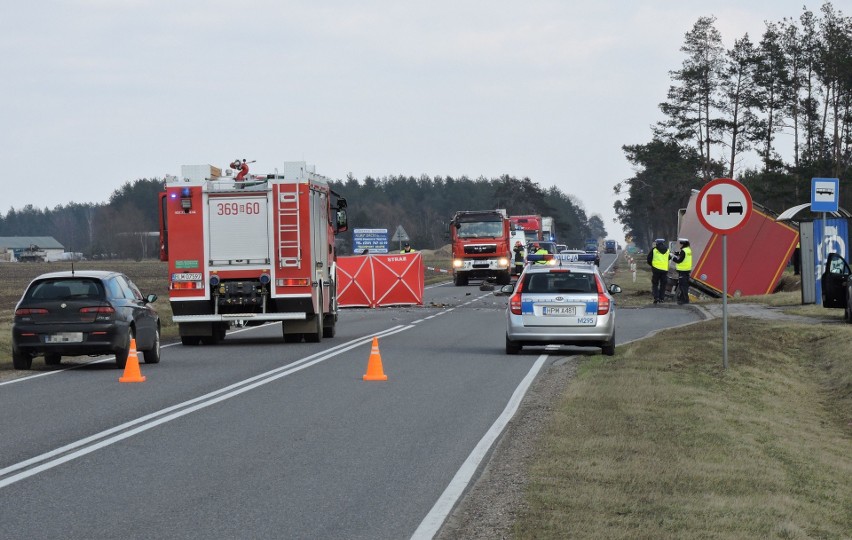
x,y
481,245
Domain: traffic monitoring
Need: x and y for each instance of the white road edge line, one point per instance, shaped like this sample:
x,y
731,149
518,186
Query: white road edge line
x,y
445,503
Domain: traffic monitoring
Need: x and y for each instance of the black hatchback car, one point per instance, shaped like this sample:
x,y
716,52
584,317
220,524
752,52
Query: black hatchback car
x,y
77,313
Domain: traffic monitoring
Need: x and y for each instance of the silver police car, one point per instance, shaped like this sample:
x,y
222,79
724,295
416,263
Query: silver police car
x,y
564,302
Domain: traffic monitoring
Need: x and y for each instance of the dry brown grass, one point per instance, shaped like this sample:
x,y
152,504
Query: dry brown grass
x,y
661,442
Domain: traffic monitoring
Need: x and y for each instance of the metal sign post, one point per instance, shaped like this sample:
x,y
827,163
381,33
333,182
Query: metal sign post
x,y
723,206
725,301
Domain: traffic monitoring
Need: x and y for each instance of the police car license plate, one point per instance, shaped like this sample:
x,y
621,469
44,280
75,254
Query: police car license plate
x,y
65,337
561,311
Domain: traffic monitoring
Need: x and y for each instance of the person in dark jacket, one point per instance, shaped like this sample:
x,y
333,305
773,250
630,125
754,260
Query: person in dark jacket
x,y
520,253
658,259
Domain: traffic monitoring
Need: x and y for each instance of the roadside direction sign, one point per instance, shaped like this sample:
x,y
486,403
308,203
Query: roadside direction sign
x,y
723,205
825,194
372,240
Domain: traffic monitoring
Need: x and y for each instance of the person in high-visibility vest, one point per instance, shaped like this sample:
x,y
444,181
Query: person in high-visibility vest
x,y
407,248
658,258
683,265
536,249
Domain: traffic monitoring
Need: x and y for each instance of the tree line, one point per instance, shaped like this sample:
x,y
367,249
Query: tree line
x,y
116,229
422,205
783,101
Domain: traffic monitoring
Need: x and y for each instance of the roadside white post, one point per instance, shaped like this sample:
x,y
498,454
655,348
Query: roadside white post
x,y
725,301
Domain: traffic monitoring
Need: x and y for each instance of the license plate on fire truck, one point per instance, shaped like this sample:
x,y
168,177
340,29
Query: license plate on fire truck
x,y
194,276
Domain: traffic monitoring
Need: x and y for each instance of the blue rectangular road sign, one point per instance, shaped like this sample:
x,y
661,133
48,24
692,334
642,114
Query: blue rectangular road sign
x,y
825,194
373,240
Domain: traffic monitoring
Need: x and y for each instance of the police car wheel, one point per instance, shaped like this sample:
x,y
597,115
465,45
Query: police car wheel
x,y
512,347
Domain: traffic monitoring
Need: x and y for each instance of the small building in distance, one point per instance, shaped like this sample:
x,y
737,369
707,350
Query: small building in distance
x,y
30,248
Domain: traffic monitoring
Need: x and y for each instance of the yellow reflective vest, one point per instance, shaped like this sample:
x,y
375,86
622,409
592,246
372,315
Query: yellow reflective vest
x,y
660,260
686,264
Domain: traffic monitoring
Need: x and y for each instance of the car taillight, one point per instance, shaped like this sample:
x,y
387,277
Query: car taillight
x,y
603,300
97,309
515,300
102,313
26,312
515,304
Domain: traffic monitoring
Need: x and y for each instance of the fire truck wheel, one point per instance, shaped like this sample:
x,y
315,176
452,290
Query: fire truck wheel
x,y
292,338
316,336
460,280
329,328
211,340
152,355
222,330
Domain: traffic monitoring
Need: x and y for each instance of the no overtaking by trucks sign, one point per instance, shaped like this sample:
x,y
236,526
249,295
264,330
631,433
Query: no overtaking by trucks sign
x,y
723,205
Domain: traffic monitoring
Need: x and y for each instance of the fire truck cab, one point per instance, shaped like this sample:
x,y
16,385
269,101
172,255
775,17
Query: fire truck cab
x,y
250,251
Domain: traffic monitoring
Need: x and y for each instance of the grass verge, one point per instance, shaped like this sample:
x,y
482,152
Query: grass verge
x,y
661,442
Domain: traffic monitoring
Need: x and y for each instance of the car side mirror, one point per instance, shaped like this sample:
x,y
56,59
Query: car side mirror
x,y
507,289
151,298
614,289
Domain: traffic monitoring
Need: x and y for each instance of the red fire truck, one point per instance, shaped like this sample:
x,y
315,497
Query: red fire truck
x,y
481,246
251,251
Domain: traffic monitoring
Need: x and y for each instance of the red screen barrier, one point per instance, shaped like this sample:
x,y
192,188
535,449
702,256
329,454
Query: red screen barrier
x,y
380,280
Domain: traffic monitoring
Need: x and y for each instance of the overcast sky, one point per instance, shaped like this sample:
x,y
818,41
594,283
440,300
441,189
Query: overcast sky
x,y
96,93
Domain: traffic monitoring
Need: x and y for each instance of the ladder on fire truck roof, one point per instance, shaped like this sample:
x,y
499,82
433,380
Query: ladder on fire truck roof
x,y
289,250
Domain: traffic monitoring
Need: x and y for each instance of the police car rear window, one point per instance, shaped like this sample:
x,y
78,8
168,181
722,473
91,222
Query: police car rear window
x,y
559,282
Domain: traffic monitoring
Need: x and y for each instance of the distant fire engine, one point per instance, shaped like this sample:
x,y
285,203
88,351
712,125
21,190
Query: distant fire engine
x,y
251,251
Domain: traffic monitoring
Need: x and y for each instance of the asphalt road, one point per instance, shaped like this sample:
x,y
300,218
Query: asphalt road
x,y
257,438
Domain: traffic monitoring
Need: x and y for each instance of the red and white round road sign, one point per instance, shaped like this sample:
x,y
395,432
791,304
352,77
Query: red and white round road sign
x,y
723,205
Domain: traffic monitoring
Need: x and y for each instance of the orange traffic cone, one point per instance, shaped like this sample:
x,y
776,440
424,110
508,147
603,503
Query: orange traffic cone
x,y
131,368
374,366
